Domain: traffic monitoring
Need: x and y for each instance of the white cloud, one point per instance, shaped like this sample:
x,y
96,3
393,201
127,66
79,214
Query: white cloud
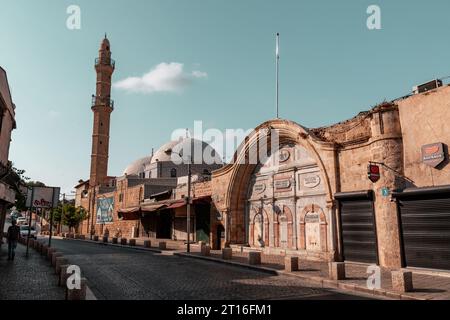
x,y
165,77
199,74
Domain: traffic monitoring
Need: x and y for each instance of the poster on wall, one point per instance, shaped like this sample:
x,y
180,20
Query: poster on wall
x,y
105,208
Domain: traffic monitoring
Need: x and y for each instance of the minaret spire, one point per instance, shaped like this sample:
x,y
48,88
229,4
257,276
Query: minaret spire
x,y
102,106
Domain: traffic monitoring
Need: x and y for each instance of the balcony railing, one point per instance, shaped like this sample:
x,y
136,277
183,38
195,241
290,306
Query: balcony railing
x,y
105,61
102,101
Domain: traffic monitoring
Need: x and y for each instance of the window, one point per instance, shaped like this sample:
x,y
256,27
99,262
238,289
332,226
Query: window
x,y
173,173
121,197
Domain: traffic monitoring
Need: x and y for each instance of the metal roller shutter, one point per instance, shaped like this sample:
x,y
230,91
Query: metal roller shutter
x,y
359,241
425,223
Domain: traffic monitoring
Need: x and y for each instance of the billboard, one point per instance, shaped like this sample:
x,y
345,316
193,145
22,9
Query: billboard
x,y
105,208
42,197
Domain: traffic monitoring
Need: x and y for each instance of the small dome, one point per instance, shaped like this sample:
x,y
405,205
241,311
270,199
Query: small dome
x,y
138,166
184,145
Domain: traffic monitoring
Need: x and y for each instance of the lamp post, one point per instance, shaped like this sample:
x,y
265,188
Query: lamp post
x,y
188,198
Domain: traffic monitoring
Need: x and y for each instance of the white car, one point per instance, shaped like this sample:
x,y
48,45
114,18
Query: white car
x,y
24,231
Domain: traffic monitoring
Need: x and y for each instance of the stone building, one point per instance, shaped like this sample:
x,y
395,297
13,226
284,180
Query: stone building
x,y
316,200
8,178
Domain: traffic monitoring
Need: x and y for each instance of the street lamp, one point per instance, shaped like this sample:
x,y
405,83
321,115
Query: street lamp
x,y
188,221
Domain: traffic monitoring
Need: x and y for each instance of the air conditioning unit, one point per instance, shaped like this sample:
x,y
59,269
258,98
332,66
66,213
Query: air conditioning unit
x,y
427,86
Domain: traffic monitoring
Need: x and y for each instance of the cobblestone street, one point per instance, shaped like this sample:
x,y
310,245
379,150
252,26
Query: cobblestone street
x,y
120,273
29,278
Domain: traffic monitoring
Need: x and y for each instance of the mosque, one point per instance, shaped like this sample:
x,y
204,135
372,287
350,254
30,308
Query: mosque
x,y
374,189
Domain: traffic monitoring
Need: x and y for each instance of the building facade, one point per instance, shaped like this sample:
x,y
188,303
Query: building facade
x,y
318,202
8,178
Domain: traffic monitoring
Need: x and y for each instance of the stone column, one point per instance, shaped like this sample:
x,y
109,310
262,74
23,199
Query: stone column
x,y
387,148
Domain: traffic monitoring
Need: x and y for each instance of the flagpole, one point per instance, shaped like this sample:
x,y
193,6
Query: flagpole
x,y
277,69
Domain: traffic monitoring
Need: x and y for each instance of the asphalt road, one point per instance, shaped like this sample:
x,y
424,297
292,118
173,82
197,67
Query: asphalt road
x,y
120,273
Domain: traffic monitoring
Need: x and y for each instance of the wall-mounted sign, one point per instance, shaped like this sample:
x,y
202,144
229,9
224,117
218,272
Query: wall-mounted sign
x,y
105,208
433,154
284,155
373,172
385,192
311,181
260,187
282,184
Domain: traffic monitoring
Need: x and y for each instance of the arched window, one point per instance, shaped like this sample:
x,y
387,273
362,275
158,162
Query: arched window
x,y
173,173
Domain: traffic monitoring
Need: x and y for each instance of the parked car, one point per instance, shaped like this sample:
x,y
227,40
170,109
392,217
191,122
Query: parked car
x,y
24,231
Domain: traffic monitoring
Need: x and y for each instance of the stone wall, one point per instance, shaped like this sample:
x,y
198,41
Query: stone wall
x,y
424,120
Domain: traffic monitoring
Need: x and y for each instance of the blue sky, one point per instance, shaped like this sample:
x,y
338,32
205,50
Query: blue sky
x,y
331,68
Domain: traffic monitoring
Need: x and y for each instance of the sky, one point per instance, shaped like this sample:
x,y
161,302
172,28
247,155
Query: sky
x,y
180,61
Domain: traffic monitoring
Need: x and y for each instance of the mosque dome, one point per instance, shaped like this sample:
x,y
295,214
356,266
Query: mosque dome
x,y
137,167
199,150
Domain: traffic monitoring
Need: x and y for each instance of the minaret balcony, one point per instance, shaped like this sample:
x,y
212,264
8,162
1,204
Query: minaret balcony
x,y
105,62
102,101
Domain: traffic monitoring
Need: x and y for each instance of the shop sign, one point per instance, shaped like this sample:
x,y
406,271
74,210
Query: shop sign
x,y
433,154
373,172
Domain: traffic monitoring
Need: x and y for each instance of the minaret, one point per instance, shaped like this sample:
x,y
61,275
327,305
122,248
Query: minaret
x,y
102,106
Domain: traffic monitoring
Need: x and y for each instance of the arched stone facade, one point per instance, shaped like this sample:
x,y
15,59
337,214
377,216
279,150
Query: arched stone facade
x,y
281,189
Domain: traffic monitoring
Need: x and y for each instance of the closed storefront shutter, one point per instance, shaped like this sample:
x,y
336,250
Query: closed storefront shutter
x,y
358,232
425,225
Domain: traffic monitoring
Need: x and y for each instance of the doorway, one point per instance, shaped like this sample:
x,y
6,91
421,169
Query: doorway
x,y
164,225
220,236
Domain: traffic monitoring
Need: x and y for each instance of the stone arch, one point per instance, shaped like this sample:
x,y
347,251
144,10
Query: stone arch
x,y
265,226
284,219
313,208
241,170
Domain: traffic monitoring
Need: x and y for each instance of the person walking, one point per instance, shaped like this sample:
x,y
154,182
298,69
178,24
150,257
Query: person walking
x,y
12,237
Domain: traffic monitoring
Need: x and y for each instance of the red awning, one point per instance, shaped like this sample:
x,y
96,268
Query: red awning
x,y
129,210
152,207
177,204
132,213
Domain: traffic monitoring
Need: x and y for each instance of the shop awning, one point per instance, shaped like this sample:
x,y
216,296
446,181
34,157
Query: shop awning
x,y
129,210
131,213
177,204
152,207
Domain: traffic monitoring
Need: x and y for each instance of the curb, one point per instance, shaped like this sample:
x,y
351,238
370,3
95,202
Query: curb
x,y
139,248
321,281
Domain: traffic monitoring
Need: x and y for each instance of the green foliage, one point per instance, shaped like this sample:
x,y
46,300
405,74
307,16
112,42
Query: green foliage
x,y
69,215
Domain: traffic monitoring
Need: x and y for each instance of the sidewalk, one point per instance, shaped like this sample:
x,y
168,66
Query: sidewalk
x,y
426,286
29,278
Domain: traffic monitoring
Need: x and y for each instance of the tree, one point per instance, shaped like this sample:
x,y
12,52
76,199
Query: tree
x,y
70,215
